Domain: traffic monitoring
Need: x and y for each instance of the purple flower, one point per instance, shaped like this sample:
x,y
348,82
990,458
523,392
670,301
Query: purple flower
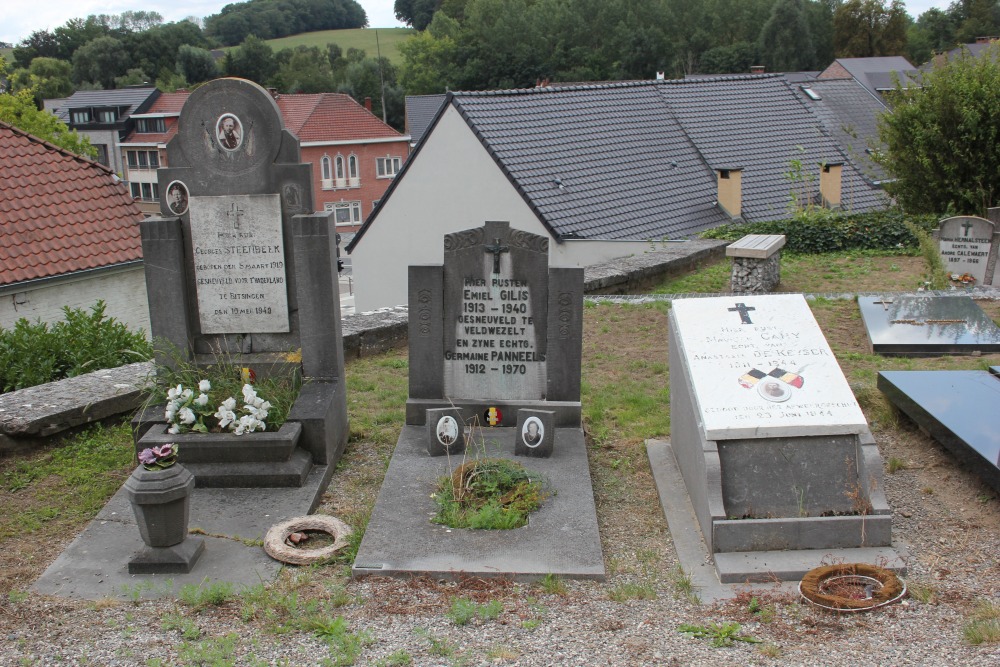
x,y
147,456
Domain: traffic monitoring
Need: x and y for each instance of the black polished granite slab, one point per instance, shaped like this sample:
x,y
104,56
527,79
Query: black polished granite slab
x,y
927,325
959,409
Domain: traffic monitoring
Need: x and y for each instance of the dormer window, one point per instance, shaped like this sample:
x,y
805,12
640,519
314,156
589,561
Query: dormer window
x,y
150,125
80,116
107,115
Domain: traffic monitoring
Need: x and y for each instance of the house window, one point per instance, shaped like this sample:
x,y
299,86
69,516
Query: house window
x,y
352,166
143,159
136,190
107,115
339,162
102,154
150,125
345,212
80,116
325,167
388,166
145,191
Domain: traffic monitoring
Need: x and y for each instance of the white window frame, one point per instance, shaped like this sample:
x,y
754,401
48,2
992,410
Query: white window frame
x,y
338,171
352,171
388,166
353,208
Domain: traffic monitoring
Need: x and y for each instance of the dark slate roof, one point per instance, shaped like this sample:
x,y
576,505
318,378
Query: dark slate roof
x,y
133,98
760,124
636,160
975,49
603,161
420,112
877,73
850,114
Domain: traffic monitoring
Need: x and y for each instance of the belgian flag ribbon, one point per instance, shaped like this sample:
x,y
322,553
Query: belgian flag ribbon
x,y
492,416
788,377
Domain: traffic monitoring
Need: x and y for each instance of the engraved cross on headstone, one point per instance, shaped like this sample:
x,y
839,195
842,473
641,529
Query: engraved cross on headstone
x,y
235,213
496,249
744,312
967,225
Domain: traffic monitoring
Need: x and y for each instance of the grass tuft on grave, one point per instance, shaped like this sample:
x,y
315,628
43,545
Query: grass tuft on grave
x,y
488,494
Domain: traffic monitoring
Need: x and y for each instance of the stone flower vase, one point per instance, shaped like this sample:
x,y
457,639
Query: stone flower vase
x,y
161,501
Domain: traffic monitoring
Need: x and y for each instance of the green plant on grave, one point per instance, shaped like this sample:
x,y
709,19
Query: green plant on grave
x,y
204,398
464,610
720,635
488,494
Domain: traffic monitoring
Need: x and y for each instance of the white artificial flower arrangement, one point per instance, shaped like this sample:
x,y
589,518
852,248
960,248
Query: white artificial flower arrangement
x,y
187,411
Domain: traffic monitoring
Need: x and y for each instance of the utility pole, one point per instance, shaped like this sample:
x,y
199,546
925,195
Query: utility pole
x,y
381,78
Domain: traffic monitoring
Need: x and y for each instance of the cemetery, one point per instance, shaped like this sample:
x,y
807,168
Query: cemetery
x,y
689,458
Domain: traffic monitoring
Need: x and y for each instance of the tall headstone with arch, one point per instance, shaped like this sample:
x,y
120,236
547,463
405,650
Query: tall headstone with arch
x,y
239,267
968,247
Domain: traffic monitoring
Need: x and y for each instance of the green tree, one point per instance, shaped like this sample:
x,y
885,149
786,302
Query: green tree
x,y
941,139
732,59
49,77
932,33
785,42
304,69
18,109
196,64
867,28
430,58
253,59
363,79
416,13
100,61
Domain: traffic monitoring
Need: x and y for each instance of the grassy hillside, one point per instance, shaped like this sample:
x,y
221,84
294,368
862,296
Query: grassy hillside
x,y
361,38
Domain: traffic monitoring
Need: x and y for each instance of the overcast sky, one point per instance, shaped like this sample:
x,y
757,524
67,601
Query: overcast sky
x,y
19,18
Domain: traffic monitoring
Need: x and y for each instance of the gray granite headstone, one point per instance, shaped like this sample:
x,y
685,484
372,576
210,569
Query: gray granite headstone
x,y
927,325
239,267
494,326
968,246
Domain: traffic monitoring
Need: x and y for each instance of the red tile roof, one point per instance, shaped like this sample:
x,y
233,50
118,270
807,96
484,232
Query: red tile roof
x,y
169,103
331,117
60,213
166,103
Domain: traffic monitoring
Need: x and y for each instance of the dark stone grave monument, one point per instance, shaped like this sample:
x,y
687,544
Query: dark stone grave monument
x,y
901,325
957,408
775,453
237,267
968,246
495,337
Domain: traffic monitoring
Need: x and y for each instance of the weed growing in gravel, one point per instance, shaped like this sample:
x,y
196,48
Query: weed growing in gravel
x,y
720,634
922,592
769,650
498,653
983,626
531,623
553,585
464,610
214,651
206,594
189,629
398,659
632,591
17,597
345,646
682,582
439,647
894,465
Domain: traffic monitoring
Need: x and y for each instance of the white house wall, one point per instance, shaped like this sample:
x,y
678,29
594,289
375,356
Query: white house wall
x,y
452,184
123,291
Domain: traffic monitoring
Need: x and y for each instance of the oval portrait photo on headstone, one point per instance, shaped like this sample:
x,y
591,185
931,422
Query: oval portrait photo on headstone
x,y
177,198
532,432
447,430
229,131
774,391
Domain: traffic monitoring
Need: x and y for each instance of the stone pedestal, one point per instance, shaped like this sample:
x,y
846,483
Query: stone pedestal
x,y
161,502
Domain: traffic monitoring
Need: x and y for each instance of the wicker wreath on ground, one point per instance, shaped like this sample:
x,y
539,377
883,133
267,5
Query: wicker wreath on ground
x,y
278,546
851,587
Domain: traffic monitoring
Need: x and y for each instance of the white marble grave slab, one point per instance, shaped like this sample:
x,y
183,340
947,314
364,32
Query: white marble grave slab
x,y
239,264
761,368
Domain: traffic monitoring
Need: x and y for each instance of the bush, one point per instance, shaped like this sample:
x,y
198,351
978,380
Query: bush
x,y
35,353
818,231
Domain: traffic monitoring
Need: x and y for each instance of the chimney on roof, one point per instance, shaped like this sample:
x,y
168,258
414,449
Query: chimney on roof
x,y
985,40
730,181
660,76
368,103
756,69
829,184
273,92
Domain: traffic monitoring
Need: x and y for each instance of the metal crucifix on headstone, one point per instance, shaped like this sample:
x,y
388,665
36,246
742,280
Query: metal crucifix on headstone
x,y
235,213
966,226
496,249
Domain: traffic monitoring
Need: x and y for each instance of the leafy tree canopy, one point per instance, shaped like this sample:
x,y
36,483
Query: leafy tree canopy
x,y
867,28
18,109
268,19
941,139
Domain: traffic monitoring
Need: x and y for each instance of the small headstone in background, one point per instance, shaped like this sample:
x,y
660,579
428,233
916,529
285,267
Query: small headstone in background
x,y
445,432
968,246
535,433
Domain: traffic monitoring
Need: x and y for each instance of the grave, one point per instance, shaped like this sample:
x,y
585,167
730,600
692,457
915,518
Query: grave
x,y
238,268
773,448
901,325
956,408
968,247
495,340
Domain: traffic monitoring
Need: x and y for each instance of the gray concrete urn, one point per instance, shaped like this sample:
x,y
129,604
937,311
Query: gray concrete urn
x,y
161,502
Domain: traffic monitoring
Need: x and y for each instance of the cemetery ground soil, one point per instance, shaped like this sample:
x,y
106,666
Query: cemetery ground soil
x,y
947,519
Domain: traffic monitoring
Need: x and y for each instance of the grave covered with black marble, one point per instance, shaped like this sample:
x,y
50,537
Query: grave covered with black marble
x,y
240,270
495,343
902,325
957,408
